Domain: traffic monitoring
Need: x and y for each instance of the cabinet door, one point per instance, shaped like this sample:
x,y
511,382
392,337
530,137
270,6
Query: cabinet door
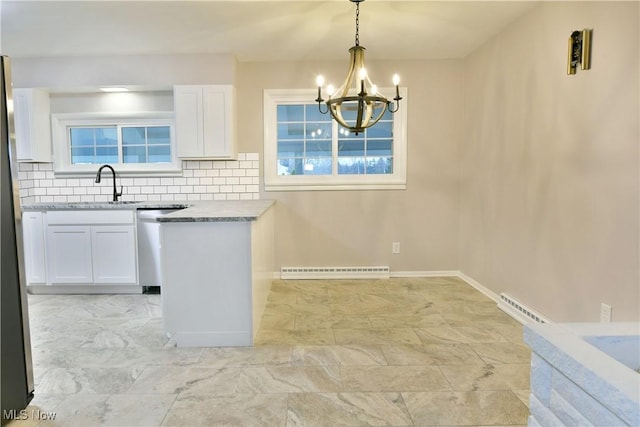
x,y
69,254
34,249
188,112
114,254
218,115
32,125
205,121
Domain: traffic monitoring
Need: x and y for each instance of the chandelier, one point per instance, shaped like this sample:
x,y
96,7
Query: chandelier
x,y
357,104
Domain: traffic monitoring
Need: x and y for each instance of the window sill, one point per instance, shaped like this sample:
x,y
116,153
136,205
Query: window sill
x,y
334,187
120,173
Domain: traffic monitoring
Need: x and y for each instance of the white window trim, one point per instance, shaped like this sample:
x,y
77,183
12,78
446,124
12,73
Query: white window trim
x,y
274,182
60,124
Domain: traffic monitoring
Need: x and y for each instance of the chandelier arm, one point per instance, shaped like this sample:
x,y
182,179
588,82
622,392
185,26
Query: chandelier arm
x,y
377,119
393,107
337,116
320,107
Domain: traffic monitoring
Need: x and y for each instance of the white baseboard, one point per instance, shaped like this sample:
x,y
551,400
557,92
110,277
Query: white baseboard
x,y
329,272
432,273
473,283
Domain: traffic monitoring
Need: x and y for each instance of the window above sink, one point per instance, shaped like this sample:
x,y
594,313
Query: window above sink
x,y
131,142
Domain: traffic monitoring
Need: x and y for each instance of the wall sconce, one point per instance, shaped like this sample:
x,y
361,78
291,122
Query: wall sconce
x,y
579,50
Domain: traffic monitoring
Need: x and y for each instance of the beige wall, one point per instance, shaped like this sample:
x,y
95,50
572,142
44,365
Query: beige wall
x,y
344,228
550,164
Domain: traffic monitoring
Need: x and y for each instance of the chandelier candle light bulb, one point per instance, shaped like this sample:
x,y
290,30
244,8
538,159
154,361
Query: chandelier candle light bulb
x,y
396,82
355,110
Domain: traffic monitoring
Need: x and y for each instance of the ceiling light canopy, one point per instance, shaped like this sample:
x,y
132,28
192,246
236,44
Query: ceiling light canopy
x,y
357,104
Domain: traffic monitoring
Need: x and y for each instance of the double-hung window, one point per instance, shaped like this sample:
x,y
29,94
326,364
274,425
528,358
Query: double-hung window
x,y
307,150
138,143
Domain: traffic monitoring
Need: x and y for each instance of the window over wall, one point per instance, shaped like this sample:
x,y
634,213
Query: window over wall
x,y
144,143
307,150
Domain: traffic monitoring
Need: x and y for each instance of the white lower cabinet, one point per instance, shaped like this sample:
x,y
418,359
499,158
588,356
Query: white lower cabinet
x,y
113,250
91,248
34,247
69,254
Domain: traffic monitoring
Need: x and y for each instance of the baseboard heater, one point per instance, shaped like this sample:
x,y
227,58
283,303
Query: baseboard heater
x,y
374,272
519,311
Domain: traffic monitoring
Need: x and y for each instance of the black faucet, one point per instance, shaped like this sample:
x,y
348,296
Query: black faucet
x,y
115,192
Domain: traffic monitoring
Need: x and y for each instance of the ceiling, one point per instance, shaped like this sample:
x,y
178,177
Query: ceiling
x,y
265,30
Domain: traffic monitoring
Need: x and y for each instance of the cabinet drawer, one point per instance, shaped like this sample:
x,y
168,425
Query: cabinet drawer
x,y
90,217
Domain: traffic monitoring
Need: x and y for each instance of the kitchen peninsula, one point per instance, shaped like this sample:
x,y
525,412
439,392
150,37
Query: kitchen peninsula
x,y
217,265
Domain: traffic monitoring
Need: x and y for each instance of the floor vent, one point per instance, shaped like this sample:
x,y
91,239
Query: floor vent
x,y
520,311
378,272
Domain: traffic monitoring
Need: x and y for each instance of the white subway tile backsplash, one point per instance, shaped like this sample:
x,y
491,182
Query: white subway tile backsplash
x,y
200,180
179,181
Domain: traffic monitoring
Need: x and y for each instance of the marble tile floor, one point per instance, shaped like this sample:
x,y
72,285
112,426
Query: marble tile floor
x,y
399,352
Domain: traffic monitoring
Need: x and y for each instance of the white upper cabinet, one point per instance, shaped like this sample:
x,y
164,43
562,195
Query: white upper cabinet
x,y
205,121
33,125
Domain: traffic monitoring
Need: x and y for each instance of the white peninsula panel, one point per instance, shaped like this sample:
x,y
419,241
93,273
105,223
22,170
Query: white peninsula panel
x,y
217,263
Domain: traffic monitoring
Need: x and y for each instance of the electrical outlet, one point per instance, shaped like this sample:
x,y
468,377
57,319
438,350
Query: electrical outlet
x,y
395,248
605,312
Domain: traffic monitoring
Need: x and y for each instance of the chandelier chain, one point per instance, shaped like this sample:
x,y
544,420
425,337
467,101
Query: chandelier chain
x,y
358,24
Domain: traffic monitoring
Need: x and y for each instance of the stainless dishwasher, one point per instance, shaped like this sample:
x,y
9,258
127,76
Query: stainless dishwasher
x,y
149,266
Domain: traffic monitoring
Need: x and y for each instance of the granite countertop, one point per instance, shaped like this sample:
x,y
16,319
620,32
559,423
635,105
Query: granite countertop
x,y
242,210
129,205
203,211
